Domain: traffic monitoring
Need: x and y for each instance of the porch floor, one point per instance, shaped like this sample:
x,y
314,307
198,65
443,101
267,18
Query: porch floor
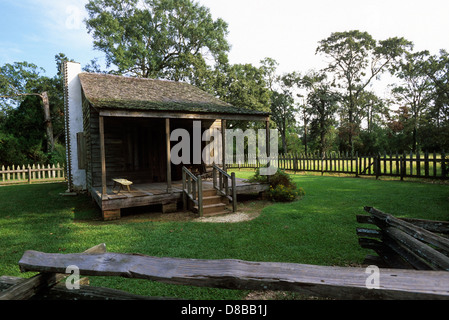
x,y
156,193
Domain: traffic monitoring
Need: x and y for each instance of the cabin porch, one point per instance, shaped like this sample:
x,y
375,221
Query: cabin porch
x,y
156,193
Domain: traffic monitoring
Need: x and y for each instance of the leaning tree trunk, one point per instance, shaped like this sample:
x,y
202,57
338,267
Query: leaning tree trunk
x,y
48,124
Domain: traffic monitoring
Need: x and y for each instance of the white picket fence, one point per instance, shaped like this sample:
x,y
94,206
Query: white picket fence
x,y
31,173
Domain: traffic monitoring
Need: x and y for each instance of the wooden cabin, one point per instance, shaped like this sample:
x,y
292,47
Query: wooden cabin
x,y
118,143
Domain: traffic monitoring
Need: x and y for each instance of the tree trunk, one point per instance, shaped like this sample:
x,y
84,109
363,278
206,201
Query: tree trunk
x,y
284,140
48,123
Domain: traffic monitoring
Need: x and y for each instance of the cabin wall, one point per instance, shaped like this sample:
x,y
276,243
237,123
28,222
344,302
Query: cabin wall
x,y
89,123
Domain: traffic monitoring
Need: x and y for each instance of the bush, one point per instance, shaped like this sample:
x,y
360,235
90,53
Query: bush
x,y
445,166
282,187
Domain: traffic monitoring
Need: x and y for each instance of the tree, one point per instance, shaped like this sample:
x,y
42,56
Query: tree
x,y
322,104
437,69
35,135
415,89
355,60
19,80
243,86
282,104
156,38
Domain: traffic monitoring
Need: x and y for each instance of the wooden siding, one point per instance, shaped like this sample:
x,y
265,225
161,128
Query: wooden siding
x,y
134,147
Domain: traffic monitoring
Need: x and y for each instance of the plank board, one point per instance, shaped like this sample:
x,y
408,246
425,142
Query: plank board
x,y
27,288
334,282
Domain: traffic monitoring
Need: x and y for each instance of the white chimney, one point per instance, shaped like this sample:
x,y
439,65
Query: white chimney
x,y
73,114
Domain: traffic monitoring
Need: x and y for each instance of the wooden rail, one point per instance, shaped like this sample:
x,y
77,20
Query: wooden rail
x,y
30,174
405,244
26,289
324,281
192,187
221,183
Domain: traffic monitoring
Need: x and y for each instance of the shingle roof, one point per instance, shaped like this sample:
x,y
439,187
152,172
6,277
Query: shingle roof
x,y
106,91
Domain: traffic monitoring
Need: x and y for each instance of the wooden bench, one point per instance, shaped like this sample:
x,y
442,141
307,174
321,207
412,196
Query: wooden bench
x,y
121,183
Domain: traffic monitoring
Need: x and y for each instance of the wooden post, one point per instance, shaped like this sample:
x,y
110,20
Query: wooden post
x,y
103,159
443,164
403,166
184,195
167,143
214,177
223,144
377,165
322,163
267,141
426,164
200,196
234,192
29,174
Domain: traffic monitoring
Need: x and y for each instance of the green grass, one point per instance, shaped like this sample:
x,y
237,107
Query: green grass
x,y
318,229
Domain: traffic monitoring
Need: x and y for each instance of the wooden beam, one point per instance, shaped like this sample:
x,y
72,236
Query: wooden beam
x,y
335,282
223,144
167,144
411,229
416,247
267,133
182,115
85,292
29,287
103,159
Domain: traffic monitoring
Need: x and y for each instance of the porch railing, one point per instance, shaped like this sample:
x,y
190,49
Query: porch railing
x,y
192,188
221,183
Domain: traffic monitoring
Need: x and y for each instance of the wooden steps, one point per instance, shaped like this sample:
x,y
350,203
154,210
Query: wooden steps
x,y
213,204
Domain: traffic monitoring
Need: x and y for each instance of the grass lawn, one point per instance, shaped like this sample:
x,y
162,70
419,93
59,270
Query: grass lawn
x,y
318,229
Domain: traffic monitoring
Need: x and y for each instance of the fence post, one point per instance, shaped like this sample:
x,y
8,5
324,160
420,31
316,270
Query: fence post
x,y
29,174
443,164
295,164
234,192
322,163
377,168
184,195
403,166
426,164
200,196
418,164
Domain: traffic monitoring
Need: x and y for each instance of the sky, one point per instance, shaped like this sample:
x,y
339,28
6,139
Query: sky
x,y
285,30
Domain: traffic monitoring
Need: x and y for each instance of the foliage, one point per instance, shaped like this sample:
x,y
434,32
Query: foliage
x,y
22,127
282,103
357,59
282,187
156,38
446,166
322,103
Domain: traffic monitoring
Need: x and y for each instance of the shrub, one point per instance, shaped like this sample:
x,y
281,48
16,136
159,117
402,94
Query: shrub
x,y
445,166
282,187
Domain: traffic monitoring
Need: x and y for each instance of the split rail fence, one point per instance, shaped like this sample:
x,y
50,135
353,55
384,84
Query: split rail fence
x,y
404,243
323,281
426,165
31,173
